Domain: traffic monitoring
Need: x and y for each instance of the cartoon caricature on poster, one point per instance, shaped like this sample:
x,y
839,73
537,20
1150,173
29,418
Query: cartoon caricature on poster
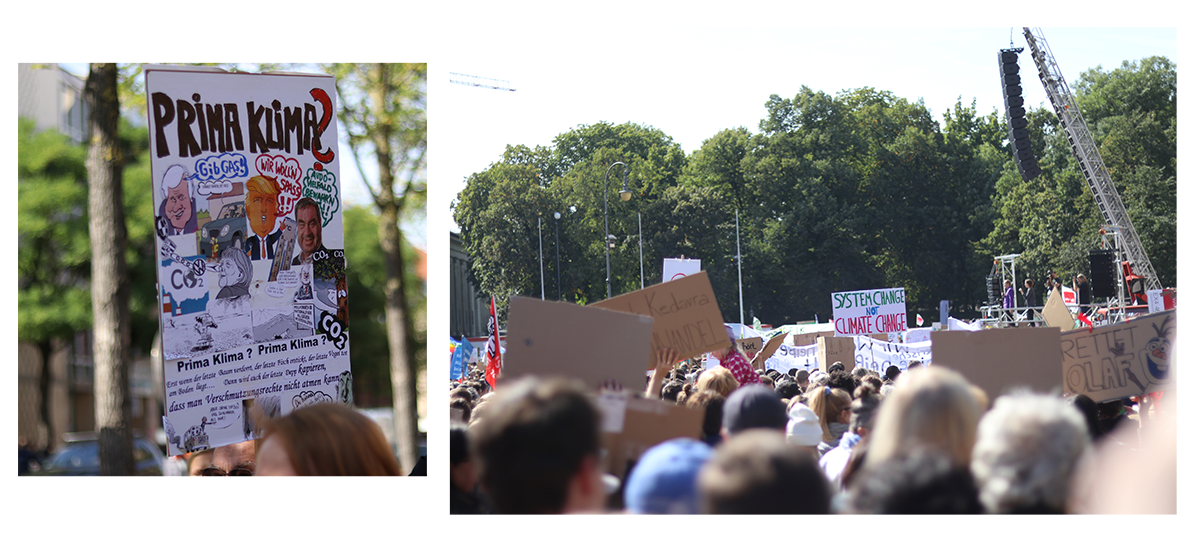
x,y
251,265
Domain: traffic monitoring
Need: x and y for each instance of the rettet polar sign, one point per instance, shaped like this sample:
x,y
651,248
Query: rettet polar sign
x,y
869,311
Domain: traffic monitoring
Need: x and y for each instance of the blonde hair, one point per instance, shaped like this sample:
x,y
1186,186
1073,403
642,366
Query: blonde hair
x,y
932,408
828,403
718,379
262,184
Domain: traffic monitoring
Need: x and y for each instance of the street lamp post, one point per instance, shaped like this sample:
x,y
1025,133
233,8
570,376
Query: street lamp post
x,y
625,195
541,269
557,265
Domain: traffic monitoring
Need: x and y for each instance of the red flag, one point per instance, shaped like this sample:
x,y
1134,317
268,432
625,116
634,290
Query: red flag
x,y
1084,319
493,348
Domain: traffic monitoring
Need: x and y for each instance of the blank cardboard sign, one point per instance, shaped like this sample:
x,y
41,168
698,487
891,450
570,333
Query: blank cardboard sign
x,y
1056,313
548,338
805,339
646,424
835,349
999,360
769,350
1120,360
685,312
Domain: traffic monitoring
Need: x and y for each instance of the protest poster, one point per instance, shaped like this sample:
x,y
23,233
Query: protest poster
x,y
805,339
1159,300
1000,360
878,356
1120,360
674,269
631,425
835,349
869,312
1056,313
685,313
550,338
245,174
750,345
768,350
790,357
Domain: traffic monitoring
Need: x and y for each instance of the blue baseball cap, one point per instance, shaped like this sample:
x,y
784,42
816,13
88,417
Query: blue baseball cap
x,y
664,480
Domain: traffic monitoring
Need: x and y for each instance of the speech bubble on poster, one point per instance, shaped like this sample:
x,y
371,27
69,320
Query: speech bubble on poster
x,y
322,187
685,312
287,172
230,165
225,415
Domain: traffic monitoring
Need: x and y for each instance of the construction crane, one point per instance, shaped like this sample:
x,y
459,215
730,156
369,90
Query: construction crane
x,y
480,82
1112,209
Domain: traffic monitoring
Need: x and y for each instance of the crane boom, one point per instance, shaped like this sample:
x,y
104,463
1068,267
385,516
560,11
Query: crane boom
x,y
480,82
1112,209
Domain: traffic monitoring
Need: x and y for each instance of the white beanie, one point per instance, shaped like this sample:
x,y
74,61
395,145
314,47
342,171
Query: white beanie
x,y
803,427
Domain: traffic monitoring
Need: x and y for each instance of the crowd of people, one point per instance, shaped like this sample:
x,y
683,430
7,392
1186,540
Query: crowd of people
x,y
853,441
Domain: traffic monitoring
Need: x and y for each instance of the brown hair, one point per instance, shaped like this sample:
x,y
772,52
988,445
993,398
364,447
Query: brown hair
x,y
330,439
718,379
828,403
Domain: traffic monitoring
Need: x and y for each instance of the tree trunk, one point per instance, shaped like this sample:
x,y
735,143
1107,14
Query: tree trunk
x,y
402,355
110,276
46,348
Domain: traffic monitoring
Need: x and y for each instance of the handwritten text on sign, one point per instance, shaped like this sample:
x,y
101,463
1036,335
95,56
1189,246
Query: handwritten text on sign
x,y
869,312
685,312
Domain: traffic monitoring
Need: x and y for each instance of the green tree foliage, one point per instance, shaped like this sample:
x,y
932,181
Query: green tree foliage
x,y
856,190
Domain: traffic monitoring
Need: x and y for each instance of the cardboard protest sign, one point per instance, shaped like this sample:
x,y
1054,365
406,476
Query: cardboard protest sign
x,y
750,345
1120,360
1159,300
999,360
674,269
869,311
1056,313
805,339
632,425
549,338
245,171
835,349
768,350
685,313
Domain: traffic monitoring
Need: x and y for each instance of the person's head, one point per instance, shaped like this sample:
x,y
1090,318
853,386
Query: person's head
x,y
862,414
236,459
802,378
1027,452
843,380
803,427
836,366
1028,282
713,404
462,471
817,378
767,381
199,460
858,373
670,391
787,388
465,392
1091,413
718,379
831,405
753,406
177,191
1080,278
537,449
326,439
757,472
664,479
308,221
262,204
932,408
872,381
892,373
234,270
1007,283
917,482
460,410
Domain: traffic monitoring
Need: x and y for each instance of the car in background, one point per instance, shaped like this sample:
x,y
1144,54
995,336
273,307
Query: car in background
x,y
228,229
80,456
